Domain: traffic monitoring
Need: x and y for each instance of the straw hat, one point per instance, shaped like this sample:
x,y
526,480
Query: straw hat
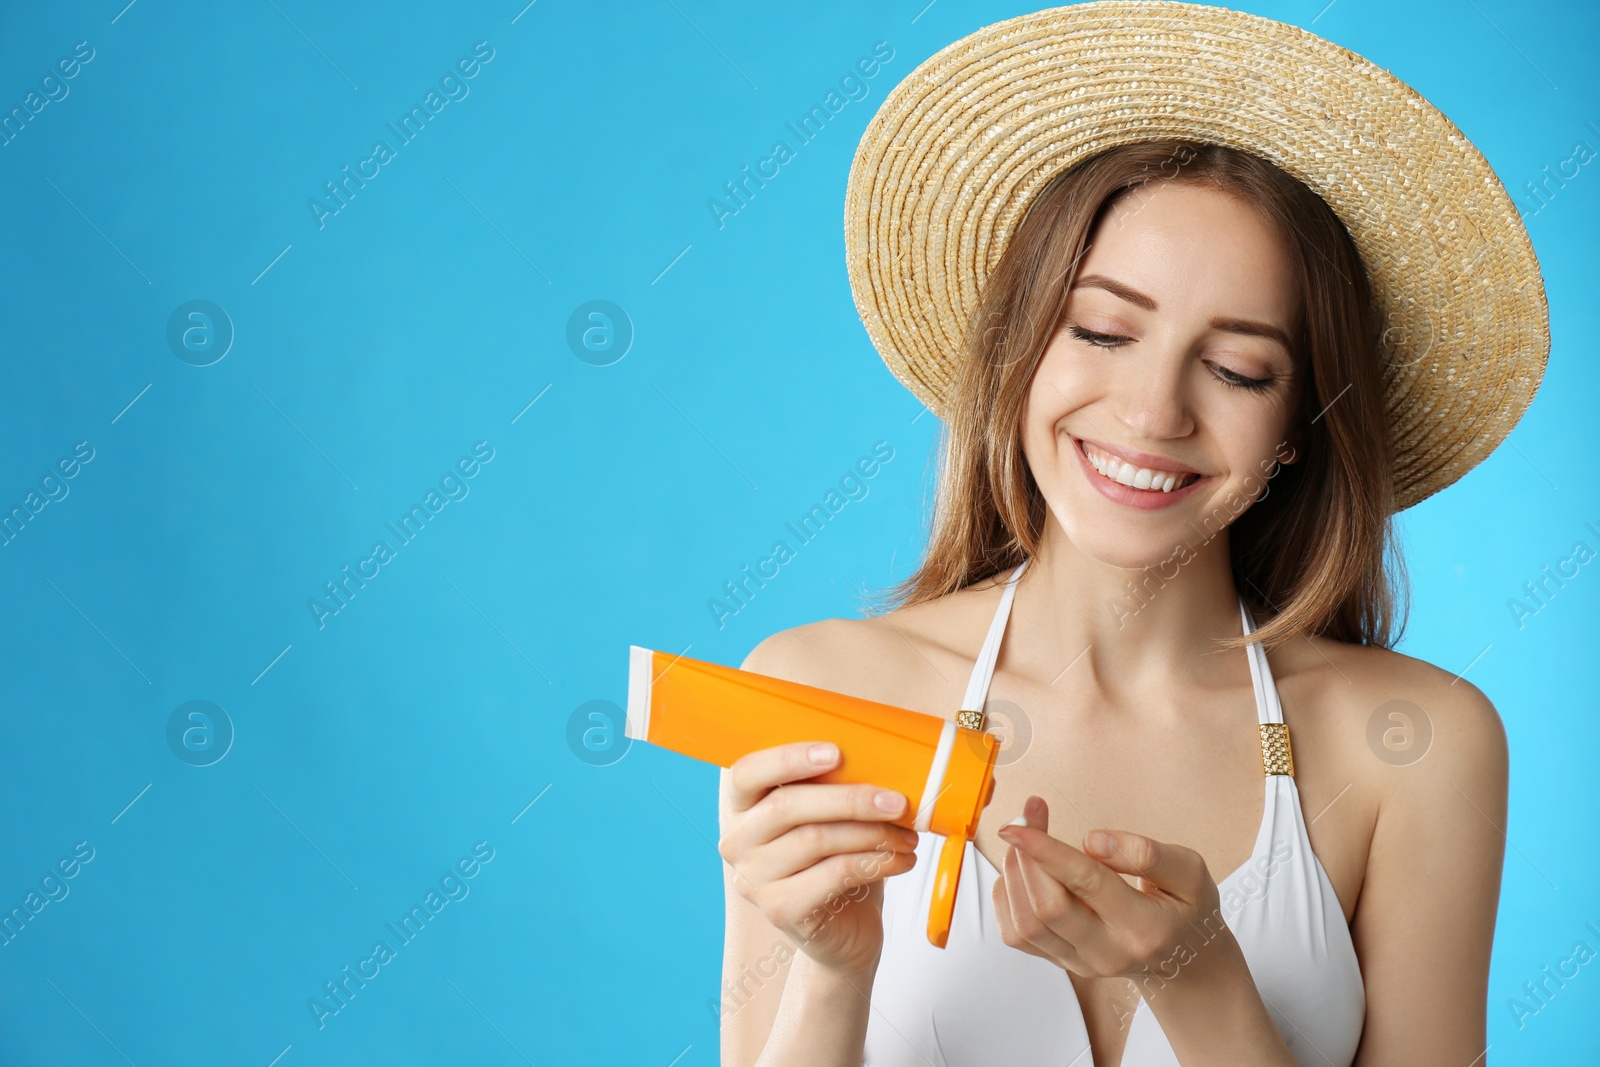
x,y
951,161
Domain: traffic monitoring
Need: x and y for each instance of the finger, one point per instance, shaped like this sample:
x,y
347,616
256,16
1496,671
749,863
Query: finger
x,y
1175,869
781,810
752,776
826,888
1035,813
1026,923
1060,910
1002,916
1084,876
1002,912
811,843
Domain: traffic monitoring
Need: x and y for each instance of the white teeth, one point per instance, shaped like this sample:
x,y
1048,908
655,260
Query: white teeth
x,y
1136,477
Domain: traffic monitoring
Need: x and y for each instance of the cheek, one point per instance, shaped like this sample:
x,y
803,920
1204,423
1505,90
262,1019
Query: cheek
x,y
1258,440
1041,412
1067,378
1058,376
1057,391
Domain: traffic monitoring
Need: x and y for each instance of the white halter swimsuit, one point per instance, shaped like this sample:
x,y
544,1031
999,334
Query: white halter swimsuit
x,y
980,1002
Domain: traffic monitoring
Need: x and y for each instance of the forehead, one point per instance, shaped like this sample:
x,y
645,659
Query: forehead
x,y
1196,249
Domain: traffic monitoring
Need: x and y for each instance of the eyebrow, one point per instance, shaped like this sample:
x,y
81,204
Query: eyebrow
x,y
1247,327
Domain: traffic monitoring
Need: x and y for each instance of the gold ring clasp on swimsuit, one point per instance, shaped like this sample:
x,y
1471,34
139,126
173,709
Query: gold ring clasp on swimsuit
x,y
972,720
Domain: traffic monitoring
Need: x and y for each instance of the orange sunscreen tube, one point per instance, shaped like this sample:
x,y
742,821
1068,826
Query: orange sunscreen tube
x,y
719,714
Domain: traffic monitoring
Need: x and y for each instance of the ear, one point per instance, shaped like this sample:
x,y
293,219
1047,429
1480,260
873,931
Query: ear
x,y
1291,449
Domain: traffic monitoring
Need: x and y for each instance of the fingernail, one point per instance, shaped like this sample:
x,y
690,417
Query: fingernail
x,y
1098,843
889,802
824,754
1020,820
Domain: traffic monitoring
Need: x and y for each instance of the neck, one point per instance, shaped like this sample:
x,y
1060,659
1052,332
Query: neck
x,y
1131,630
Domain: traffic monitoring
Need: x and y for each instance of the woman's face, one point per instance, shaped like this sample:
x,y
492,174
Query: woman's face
x,y
1170,371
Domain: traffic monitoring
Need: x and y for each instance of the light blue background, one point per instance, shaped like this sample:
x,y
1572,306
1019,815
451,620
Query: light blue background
x,y
425,316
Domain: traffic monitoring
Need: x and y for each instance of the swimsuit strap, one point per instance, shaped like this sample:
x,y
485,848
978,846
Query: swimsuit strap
x,y
1267,707
983,671
1276,757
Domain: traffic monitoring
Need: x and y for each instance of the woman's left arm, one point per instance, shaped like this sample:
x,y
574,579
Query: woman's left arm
x,y
1424,923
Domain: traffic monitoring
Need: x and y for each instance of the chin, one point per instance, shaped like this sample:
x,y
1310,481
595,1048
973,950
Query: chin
x,y
1129,549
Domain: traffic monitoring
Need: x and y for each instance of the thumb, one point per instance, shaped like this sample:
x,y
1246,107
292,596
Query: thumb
x,y
1130,853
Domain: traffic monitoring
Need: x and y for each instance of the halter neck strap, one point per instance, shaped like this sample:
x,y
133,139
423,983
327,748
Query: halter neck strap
x,y
983,670
1268,708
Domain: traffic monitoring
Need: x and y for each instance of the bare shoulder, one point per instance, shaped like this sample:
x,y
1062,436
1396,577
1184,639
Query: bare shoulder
x,y
1401,710
817,653
908,657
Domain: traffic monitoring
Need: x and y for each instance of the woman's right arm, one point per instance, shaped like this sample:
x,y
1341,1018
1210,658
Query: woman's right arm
x,y
802,874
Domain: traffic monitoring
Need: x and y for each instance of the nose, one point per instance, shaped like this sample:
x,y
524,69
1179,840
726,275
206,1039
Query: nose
x,y
1154,397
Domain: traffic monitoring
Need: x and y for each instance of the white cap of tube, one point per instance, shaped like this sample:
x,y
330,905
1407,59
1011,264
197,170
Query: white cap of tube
x,y
637,725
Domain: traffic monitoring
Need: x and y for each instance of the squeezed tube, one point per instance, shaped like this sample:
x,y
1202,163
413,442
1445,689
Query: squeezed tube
x,y
719,714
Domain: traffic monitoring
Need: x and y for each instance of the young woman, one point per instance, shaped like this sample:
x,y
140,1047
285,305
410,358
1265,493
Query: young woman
x,y
1171,448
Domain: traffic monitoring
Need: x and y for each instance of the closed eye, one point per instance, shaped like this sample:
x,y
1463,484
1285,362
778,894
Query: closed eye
x,y
1099,340
1239,381
1228,377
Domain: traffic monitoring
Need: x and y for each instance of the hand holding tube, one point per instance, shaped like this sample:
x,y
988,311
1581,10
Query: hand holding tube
x,y
944,772
812,856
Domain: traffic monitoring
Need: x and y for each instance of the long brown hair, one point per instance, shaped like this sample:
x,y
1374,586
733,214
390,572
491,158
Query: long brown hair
x,y
1316,554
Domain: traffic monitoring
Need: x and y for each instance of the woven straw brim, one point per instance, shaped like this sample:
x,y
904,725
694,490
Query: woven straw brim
x,y
950,162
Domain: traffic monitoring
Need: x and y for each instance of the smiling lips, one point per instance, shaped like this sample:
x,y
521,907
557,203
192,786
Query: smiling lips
x,y
1125,473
